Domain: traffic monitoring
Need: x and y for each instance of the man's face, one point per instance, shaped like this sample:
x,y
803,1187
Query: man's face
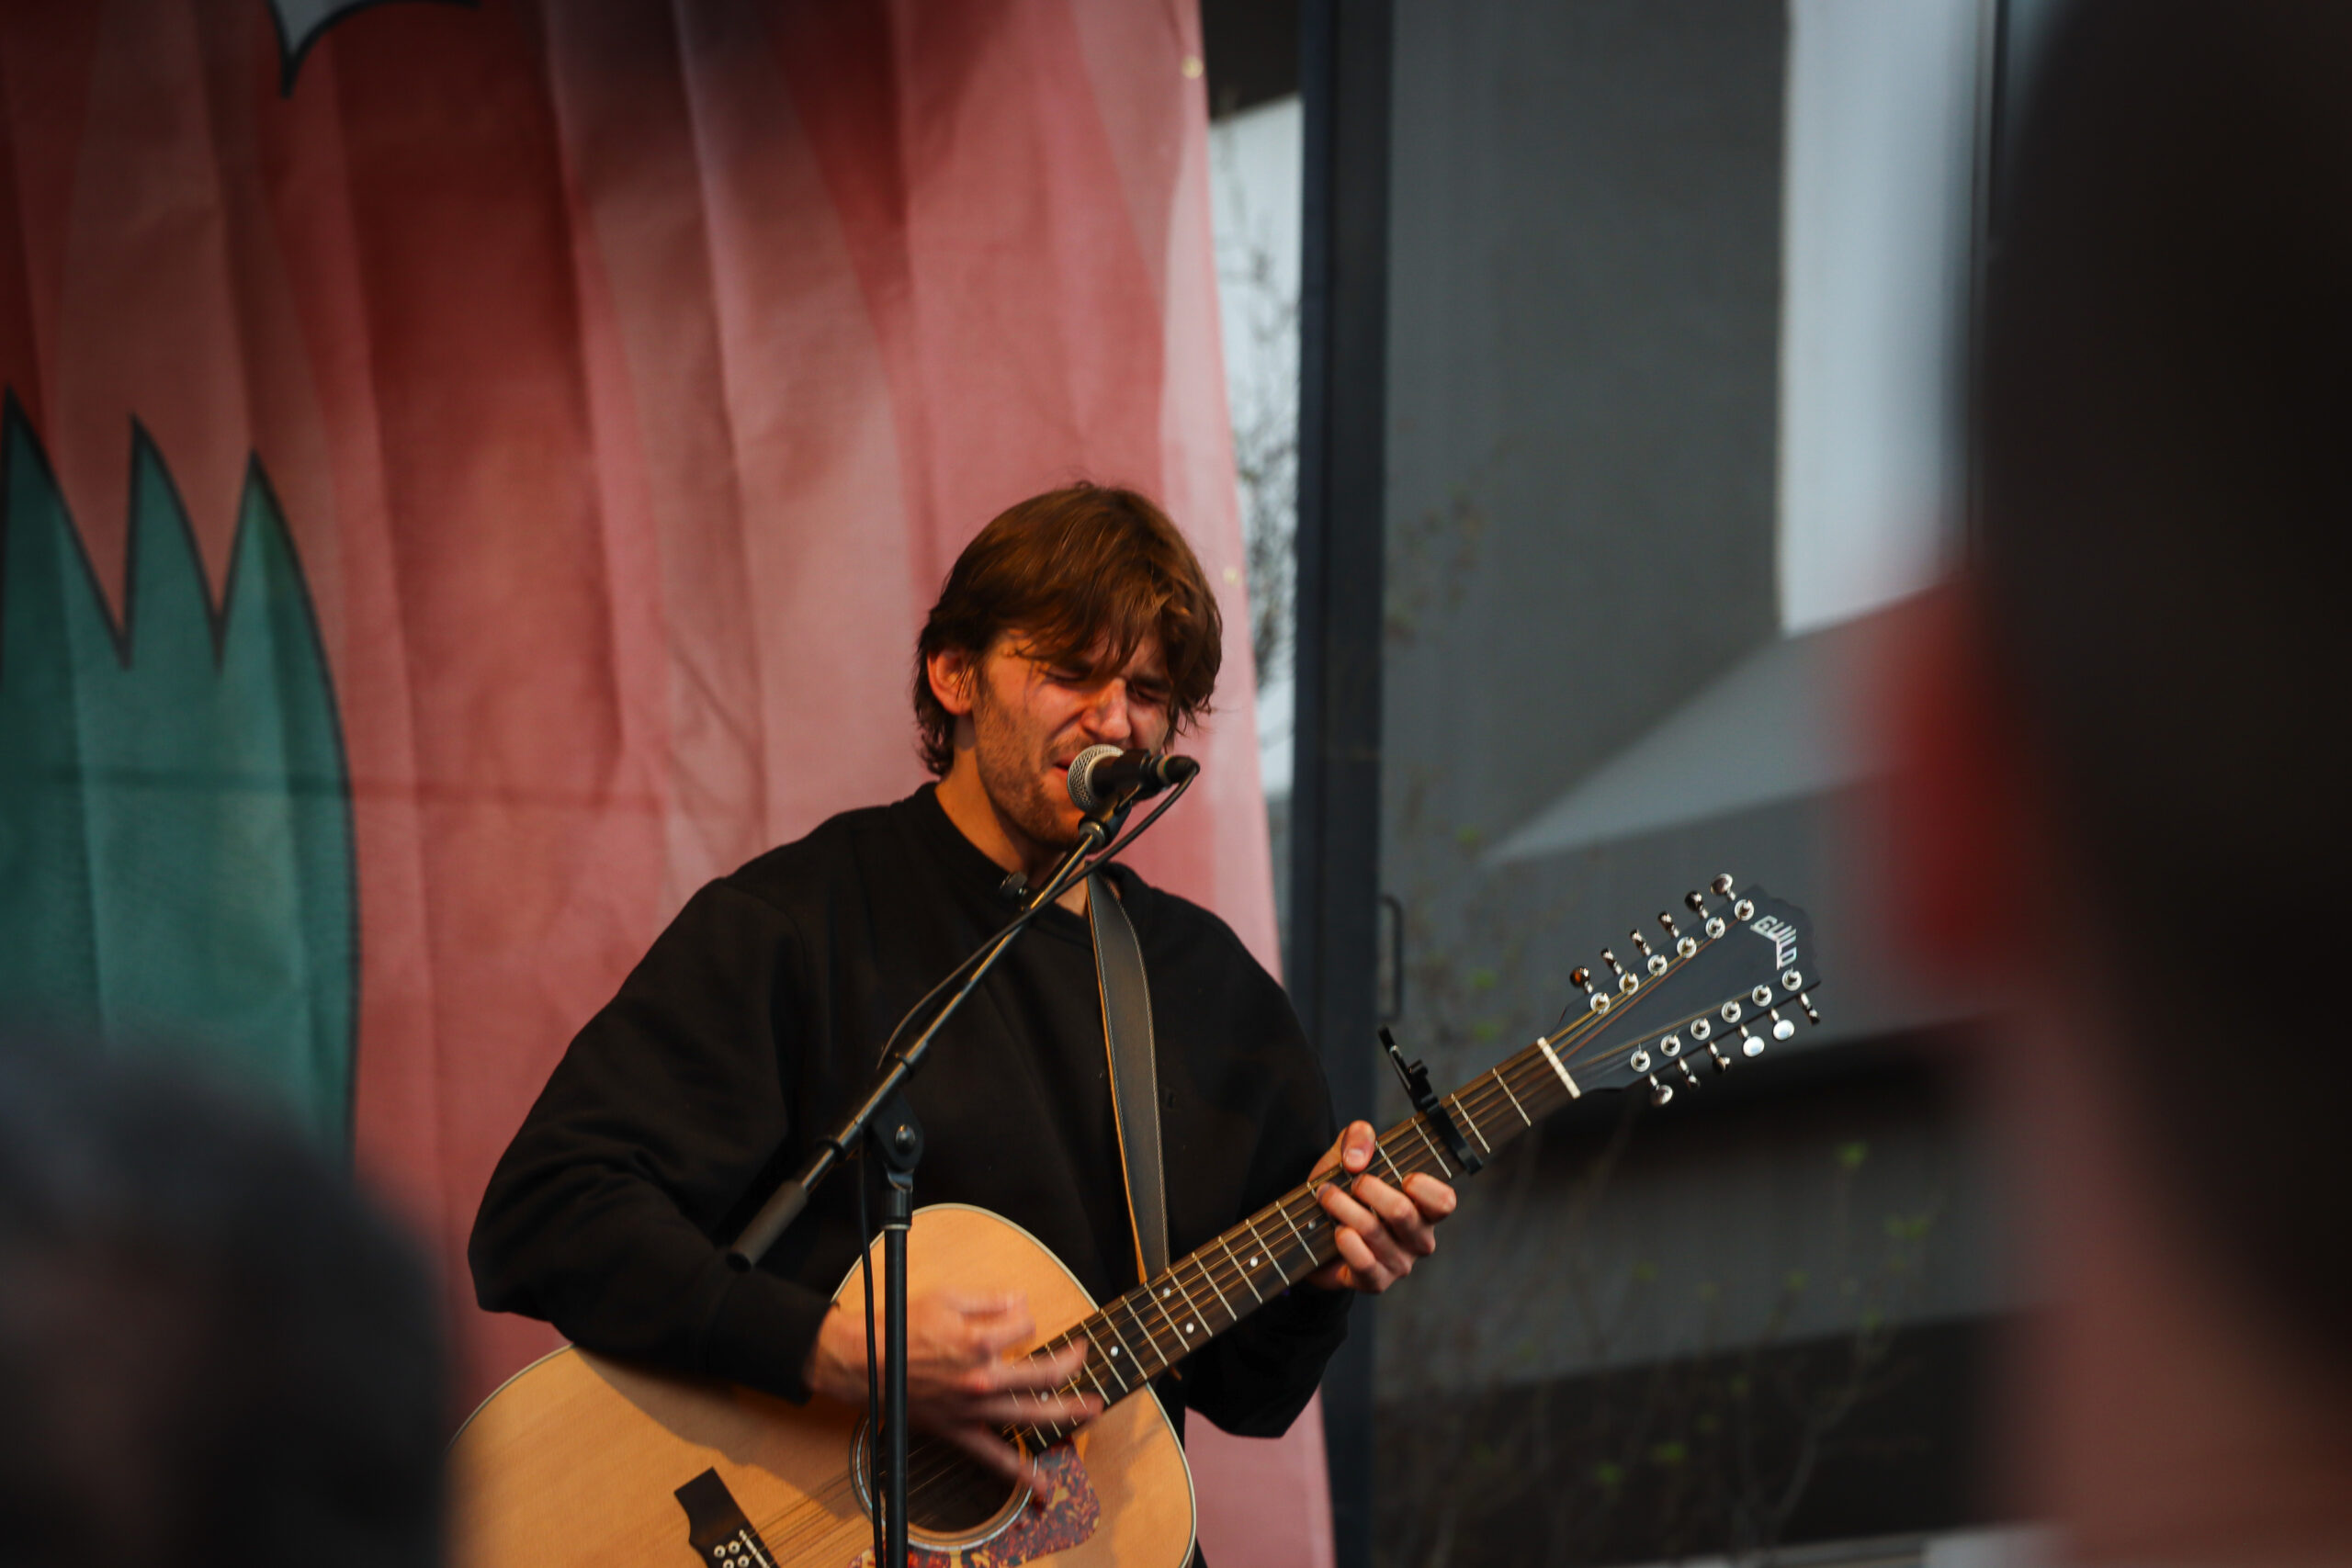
x,y
1032,715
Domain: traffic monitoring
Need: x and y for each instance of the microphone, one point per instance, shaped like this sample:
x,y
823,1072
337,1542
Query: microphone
x,y
1099,774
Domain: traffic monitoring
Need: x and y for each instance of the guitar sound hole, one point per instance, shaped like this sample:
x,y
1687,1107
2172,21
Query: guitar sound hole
x,y
952,1498
950,1493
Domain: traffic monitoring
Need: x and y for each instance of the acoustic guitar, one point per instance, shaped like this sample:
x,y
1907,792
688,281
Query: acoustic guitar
x,y
580,1460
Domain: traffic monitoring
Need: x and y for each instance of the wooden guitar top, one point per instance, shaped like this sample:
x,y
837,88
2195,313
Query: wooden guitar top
x,y
579,1459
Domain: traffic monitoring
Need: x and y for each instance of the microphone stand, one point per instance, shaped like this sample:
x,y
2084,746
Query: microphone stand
x,y
884,1118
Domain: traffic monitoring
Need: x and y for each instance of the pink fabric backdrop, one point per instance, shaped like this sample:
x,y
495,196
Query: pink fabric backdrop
x,y
630,372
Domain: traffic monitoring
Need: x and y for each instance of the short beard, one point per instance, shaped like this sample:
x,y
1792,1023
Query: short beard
x,y
1013,784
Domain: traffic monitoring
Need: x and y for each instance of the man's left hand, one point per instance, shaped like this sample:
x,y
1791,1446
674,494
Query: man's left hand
x,y
1381,1229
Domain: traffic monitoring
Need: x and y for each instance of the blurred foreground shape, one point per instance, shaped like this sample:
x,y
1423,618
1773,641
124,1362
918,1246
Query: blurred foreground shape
x,y
212,1350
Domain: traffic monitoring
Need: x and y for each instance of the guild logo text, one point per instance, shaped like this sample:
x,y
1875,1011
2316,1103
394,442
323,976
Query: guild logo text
x,y
1784,937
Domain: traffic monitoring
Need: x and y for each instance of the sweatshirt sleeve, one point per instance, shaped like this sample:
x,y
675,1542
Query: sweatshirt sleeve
x,y
1253,1381
601,1216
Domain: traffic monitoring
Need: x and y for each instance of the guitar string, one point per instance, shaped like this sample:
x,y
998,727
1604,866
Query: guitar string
x,y
837,1508
1476,1102
1480,1099
1403,1138
1207,1266
1483,1104
843,1491
932,1461
944,1457
941,1456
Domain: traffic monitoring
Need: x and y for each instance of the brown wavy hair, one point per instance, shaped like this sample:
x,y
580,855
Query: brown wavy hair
x,y
1082,576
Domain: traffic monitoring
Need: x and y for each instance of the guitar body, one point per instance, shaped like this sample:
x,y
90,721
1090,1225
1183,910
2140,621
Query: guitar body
x,y
579,1461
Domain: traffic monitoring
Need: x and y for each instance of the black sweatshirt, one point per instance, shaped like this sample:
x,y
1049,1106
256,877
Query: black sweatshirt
x,y
743,1031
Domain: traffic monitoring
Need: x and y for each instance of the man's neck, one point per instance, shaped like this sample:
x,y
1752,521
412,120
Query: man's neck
x,y
967,802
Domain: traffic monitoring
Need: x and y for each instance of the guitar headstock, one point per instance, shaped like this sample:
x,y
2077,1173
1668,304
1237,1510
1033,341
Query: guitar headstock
x,y
1700,991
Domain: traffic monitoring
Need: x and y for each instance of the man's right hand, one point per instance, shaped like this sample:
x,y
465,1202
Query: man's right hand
x,y
961,1383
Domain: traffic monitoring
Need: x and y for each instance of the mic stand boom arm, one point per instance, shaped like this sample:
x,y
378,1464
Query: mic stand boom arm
x,y
898,1141
884,1117
785,1203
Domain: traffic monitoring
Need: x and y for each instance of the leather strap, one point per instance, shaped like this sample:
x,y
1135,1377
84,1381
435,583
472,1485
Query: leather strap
x,y
1135,1074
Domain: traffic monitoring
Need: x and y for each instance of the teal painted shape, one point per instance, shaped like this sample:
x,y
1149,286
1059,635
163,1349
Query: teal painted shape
x,y
177,867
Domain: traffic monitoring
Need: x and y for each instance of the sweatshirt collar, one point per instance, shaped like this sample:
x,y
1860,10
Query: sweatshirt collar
x,y
979,877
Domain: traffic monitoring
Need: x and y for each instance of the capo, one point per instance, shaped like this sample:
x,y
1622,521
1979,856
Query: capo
x,y
1416,1087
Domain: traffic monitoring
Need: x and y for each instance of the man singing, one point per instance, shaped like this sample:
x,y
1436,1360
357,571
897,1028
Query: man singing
x,y
1075,619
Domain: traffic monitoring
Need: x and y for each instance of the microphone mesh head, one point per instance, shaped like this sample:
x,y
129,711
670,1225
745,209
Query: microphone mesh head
x,y
1082,776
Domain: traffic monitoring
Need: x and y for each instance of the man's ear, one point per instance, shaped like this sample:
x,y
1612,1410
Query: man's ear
x,y
952,674
1964,829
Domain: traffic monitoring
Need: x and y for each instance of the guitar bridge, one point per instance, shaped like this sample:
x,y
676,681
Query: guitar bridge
x,y
716,1525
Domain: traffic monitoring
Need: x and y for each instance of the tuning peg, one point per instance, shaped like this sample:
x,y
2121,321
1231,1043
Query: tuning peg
x,y
1749,1045
1804,1000
1660,1092
1640,943
1683,945
1699,908
1653,962
1688,1075
1580,976
1782,1027
1722,884
1723,1063
1626,984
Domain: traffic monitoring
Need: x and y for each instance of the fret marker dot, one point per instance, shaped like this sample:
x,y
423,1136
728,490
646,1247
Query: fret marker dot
x,y
1253,1260
1115,1350
1188,1329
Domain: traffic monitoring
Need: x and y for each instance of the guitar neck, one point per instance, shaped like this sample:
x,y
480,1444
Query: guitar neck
x,y
1724,976
1142,1333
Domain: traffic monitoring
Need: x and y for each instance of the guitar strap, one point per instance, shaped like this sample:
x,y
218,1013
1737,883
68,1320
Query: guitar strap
x,y
1134,1076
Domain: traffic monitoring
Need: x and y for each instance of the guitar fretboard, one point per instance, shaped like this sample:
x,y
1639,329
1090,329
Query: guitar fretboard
x,y
1140,1335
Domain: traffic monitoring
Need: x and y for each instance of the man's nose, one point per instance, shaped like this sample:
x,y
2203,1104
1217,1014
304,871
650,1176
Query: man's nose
x,y
1109,719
